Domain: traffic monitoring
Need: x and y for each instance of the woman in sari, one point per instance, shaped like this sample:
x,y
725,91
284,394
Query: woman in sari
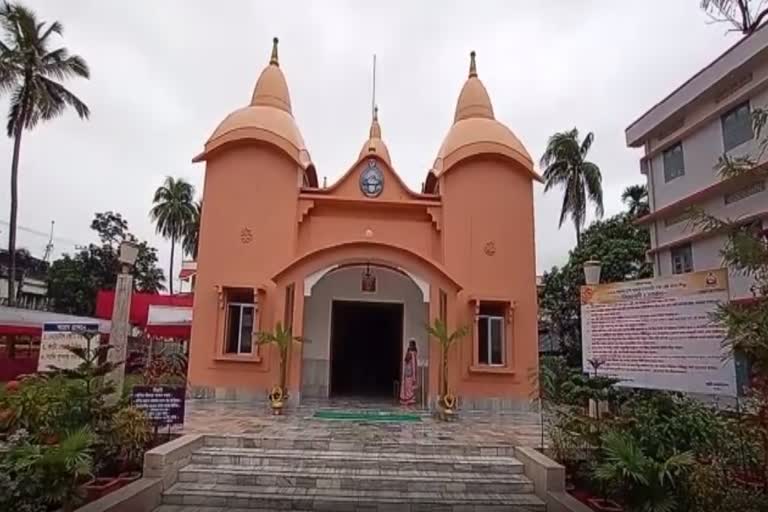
x,y
408,383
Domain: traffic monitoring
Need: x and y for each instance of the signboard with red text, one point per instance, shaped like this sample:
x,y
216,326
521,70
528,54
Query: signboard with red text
x,y
658,333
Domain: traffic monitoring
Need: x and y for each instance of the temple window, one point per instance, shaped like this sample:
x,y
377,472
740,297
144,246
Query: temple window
x,y
492,333
491,324
241,318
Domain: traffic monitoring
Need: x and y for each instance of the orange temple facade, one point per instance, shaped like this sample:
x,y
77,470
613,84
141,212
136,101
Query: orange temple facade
x,y
360,267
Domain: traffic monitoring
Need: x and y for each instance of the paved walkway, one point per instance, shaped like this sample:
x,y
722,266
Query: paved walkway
x,y
520,428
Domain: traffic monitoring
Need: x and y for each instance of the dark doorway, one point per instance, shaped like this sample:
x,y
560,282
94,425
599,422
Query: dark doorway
x,y
366,341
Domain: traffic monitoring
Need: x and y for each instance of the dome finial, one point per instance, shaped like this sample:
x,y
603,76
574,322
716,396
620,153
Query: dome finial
x,y
472,64
375,132
273,59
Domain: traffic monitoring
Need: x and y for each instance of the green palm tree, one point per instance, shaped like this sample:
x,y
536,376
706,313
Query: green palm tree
x,y
172,212
282,338
636,199
446,339
191,240
565,163
646,484
30,72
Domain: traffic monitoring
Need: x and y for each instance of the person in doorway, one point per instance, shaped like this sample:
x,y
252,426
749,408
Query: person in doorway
x,y
408,384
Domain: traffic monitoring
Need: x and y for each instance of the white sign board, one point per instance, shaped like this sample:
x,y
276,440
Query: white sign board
x,y
658,333
169,315
55,340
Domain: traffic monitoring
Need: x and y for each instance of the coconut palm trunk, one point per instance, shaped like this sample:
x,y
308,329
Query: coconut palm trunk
x,y
14,211
170,276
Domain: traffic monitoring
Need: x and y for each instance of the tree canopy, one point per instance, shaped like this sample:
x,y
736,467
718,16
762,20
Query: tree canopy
x,y
74,280
620,246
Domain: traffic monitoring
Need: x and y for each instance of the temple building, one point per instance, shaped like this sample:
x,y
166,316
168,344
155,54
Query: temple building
x,y
359,267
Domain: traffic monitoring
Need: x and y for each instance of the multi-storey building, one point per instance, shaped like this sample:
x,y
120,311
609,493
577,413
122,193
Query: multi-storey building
x,y
684,135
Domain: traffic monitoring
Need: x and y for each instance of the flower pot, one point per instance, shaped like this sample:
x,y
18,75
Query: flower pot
x,y
604,505
101,487
277,398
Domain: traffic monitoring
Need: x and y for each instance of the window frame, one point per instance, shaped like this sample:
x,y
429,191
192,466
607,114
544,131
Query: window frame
x,y
228,327
493,306
733,145
684,270
502,321
668,176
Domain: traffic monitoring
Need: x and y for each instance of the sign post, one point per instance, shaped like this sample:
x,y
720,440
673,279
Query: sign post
x,y
659,333
56,339
163,405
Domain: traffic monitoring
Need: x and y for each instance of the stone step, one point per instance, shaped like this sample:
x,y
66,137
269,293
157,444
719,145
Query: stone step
x,y
361,479
345,500
430,446
356,460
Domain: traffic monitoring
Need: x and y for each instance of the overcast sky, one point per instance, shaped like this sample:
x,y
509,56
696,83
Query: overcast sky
x,y
164,73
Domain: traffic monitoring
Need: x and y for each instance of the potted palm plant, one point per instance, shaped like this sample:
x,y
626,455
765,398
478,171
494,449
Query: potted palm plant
x,y
446,401
282,338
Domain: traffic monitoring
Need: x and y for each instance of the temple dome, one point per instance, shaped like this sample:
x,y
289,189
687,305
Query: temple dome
x,y
375,145
476,131
268,118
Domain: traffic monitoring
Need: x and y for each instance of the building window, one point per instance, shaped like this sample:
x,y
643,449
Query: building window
x,y
743,193
490,335
239,328
674,163
737,126
682,259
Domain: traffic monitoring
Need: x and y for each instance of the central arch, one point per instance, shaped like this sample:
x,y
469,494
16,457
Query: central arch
x,y
357,337
300,280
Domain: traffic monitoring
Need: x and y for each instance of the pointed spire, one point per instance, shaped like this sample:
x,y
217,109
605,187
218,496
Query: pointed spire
x,y
472,65
375,132
273,59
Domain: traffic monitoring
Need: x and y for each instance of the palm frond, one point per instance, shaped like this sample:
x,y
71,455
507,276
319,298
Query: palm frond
x,y
586,144
54,28
594,183
28,69
65,97
62,66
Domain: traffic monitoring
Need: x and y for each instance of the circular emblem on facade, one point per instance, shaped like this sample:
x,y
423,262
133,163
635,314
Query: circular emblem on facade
x,y
490,248
371,180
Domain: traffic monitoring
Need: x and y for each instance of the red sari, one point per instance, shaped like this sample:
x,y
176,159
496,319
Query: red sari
x,y
408,383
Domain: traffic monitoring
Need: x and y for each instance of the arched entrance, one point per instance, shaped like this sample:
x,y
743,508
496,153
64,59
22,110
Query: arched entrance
x,y
358,320
295,284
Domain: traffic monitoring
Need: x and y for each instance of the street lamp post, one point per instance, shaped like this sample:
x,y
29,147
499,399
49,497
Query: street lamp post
x,y
592,270
120,328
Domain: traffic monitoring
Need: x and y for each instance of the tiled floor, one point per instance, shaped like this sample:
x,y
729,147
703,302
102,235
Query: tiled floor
x,y
520,428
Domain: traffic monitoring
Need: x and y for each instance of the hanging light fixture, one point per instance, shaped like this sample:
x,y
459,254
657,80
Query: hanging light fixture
x,y
368,280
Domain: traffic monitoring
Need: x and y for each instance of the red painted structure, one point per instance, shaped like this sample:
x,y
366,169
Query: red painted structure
x,y
139,314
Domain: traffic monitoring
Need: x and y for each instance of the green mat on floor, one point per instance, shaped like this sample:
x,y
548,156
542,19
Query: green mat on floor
x,y
364,415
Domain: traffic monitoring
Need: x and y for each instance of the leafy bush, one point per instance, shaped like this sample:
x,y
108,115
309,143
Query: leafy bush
x,y
642,482
61,430
35,476
666,423
711,488
130,434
